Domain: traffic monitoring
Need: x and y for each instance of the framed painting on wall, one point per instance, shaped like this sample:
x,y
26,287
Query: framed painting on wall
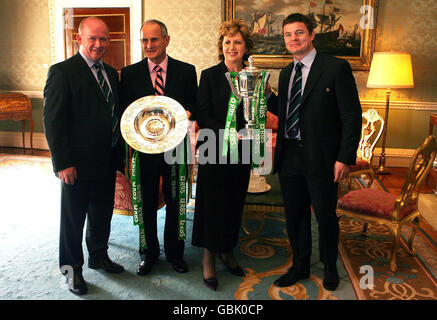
x,y
344,28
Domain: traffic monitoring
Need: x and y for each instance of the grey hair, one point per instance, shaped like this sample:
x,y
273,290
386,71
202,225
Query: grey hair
x,y
160,24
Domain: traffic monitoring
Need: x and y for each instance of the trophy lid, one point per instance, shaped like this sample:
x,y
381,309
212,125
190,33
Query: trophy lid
x,y
251,69
251,66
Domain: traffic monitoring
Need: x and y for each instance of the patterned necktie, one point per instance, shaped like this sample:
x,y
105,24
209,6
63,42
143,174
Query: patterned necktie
x,y
292,128
110,99
159,82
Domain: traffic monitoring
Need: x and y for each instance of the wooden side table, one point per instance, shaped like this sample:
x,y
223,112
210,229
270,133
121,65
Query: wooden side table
x,y
16,106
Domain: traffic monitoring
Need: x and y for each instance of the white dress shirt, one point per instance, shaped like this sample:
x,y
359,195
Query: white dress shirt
x,y
306,62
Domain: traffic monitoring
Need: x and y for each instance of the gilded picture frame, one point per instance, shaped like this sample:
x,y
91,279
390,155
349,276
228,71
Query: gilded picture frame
x,y
344,28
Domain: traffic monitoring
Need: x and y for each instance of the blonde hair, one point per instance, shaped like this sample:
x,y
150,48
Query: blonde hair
x,y
231,28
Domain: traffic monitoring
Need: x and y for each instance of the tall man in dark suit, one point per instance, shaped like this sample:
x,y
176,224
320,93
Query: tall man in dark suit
x,y
81,120
319,129
158,74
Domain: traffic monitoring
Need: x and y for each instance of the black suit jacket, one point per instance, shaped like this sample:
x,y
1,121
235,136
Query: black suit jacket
x,y
180,84
77,119
212,106
330,116
213,99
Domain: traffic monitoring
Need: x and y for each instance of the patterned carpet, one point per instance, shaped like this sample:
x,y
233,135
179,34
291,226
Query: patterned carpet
x,y
270,245
29,237
416,277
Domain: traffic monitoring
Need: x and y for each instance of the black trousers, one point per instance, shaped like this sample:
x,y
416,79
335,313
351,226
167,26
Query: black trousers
x,y
85,200
152,167
299,194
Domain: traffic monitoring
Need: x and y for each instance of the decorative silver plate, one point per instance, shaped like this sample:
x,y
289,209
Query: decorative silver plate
x,y
154,124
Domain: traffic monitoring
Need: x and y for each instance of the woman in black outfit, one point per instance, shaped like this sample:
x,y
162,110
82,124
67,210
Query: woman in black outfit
x,y
221,188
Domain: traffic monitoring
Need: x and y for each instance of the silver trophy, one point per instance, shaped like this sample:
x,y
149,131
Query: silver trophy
x,y
247,89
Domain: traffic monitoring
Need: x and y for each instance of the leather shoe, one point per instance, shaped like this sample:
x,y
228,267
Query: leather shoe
x,y
236,271
211,283
146,266
291,277
77,284
179,266
106,264
330,279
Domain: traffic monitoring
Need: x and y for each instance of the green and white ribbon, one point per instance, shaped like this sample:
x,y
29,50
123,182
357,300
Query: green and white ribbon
x,y
134,175
261,115
179,180
259,109
230,140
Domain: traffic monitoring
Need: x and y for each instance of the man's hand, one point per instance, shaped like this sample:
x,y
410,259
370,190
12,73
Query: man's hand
x,y
68,176
341,171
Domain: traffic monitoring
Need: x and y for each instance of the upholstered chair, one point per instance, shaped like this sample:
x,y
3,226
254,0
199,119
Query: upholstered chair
x,y
379,206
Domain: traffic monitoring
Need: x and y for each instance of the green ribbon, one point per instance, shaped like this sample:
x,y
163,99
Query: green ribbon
x,y
260,127
259,109
137,200
178,187
179,180
230,140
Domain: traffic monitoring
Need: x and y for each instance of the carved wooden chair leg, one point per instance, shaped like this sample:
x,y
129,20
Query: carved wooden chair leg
x,y
396,236
415,222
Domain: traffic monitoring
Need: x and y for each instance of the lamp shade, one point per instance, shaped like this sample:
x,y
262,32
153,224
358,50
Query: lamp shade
x,y
391,70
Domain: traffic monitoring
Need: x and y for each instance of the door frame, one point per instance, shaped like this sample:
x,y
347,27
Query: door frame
x,y
57,34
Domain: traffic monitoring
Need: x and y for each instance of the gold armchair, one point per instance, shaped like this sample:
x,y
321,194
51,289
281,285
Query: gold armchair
x,y
373,205
371,131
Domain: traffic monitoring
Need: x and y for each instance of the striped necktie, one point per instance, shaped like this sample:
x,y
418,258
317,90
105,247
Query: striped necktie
x,y
292,128
159,82
110,99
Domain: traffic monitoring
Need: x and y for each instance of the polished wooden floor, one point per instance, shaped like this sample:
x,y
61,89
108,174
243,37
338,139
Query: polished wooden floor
x,y
21,151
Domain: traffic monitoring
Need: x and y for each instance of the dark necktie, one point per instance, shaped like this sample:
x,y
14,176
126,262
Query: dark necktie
x,y
292,128
110,99
159,82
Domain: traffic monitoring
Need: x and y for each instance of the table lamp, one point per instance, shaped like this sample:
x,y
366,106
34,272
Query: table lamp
x,y
389,70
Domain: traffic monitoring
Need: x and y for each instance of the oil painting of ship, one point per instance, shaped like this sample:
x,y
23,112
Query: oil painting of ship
x,y
335,34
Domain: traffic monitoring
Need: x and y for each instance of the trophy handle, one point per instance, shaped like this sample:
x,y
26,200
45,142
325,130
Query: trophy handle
x,y
235,91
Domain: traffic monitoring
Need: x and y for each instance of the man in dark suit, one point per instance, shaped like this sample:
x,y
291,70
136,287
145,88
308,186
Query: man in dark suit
x,y
319,129
81,121
158,74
